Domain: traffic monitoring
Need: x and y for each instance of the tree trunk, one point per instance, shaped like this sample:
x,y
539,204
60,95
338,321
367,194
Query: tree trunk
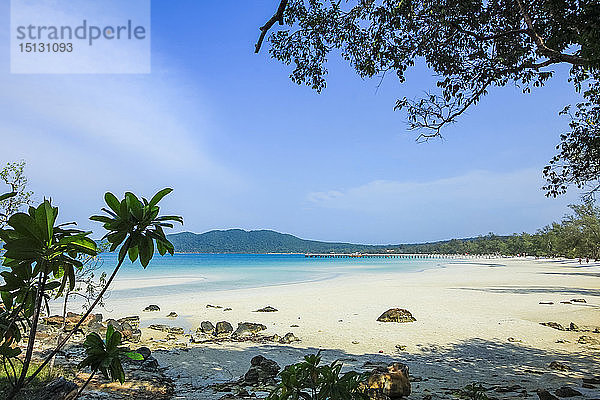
x,y
85,315
31,337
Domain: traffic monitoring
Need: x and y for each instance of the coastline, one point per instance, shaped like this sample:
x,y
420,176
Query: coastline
x,y
476,321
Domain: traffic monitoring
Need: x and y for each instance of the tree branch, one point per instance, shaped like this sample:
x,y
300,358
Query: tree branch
x,y
483,38
277,17
541,44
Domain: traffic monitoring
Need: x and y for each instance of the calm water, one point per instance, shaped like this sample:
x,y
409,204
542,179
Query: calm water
x,y
210,272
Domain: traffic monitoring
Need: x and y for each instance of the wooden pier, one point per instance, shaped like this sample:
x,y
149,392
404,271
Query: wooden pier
x,y
384,255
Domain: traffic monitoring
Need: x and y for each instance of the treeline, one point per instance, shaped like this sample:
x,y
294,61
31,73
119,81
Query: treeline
x,y
577,235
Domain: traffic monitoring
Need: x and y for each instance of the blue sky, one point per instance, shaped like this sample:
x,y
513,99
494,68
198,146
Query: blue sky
x,y
245,147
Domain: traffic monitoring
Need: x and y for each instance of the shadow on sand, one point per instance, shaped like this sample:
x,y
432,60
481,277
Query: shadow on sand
x,y
435,370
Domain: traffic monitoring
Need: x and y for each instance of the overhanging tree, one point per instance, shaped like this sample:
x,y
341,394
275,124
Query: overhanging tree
x,y
471,45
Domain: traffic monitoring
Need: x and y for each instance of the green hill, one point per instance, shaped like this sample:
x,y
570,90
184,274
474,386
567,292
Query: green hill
x,y
263,241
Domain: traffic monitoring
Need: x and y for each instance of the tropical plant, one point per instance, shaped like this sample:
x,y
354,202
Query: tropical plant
x,y
105,356
134,225
41,257
308,380
472,391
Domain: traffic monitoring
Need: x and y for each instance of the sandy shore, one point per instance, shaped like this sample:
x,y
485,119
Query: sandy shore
x,y
466,313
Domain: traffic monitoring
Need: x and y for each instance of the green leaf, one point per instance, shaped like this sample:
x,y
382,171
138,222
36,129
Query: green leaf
x,y
52,285
7,299
134,356
133,253
101,218
159,196
146,250
112,201
7,195
135,205
45,216
25,225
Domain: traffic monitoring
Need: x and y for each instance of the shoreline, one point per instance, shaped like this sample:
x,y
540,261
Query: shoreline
x,y
475,322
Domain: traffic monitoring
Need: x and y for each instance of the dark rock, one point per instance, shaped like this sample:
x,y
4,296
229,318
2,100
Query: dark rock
x,y
267,309
58,389
134,321
578,301
588,386
558,366
513,340
573,327
549,303
391,381
152,307
396,315
227,309
294,326
97,327
248,329
587,340
546,395
553,325
206,327
594,380
223,328
565,302
172,314
289,338
150,364
115,324
262,371
144,351
567,391
169,329
96,317
211,306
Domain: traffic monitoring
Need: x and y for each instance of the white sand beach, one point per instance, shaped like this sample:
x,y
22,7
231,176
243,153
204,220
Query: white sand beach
x,y
475,321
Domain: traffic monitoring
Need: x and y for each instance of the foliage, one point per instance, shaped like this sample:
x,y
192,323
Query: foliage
x,y
578,161
577,235
470,46
43,257
40,257
46,376
13,176
105,356
473,391
137,225
308,380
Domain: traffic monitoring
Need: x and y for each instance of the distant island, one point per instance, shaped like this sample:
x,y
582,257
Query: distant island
x,y
268,241
575,236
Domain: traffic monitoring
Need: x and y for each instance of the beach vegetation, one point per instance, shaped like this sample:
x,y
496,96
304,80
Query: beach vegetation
x,y
471,49
472,391
105,356
41,257
308,380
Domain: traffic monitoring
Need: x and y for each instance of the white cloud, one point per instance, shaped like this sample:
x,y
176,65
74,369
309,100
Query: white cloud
x,y
470,204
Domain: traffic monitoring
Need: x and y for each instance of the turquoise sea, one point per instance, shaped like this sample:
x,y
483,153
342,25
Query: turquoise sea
x,y
214,272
